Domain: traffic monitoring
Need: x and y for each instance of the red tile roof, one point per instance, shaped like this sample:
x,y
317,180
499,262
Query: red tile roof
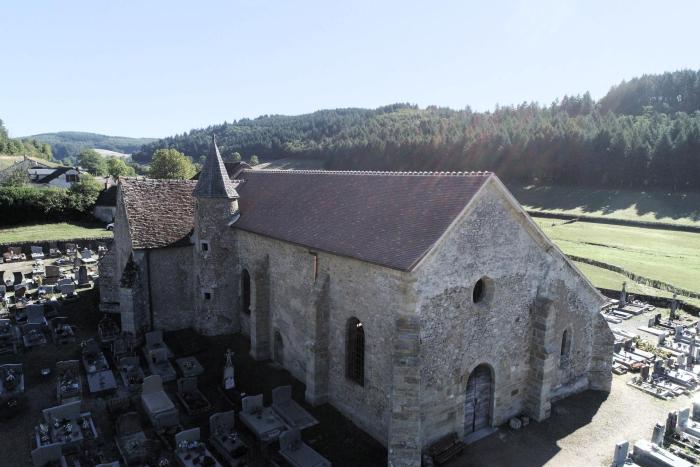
x,y
388,218
160,212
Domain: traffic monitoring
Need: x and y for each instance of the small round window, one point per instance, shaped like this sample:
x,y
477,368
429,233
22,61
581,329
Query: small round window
x,y
479,291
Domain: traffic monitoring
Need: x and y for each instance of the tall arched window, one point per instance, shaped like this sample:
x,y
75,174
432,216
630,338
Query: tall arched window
x,y
245,288
565,349
355,351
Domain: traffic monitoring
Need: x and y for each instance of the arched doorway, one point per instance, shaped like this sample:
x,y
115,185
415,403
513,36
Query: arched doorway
x,y
477,404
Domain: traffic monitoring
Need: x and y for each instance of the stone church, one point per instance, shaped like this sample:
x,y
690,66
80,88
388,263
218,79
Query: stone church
x,y
417,304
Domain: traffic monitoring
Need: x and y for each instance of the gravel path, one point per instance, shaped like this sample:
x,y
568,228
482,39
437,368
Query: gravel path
x,y
582,430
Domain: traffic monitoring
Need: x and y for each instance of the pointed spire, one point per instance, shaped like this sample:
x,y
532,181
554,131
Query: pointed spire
x,y
213,179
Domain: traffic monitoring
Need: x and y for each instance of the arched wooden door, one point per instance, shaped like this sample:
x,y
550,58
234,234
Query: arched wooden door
x,y
477,405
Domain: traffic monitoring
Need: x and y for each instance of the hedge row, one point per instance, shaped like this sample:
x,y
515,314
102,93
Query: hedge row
x,y
19,205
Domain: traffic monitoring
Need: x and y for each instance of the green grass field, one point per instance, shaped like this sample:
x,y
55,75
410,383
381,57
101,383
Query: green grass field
x,y
611,280
6,161
668,208
47,232
669,256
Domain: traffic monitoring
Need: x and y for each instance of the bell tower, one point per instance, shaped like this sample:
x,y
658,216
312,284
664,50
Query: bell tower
x,y
215,256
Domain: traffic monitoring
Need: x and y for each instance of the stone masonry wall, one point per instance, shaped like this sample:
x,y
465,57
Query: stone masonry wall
x,y
215,268
172,288
342,288
494,241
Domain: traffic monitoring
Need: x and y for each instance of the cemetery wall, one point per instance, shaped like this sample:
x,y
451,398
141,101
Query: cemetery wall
x,y
88,242
495,241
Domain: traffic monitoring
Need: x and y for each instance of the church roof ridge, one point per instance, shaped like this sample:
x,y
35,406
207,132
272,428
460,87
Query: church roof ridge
x,y
373,172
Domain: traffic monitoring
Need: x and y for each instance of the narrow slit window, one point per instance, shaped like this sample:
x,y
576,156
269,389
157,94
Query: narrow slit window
x,y
245,291
355,352
565,349
314,264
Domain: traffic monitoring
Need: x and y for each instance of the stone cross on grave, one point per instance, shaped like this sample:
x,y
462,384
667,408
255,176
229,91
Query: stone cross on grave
x,y
623,295
674,307
229,381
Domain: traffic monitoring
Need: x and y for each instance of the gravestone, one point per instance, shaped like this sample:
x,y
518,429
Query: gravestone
x,y
229,381
52,270
644,372
19,277
658,367
683,416
674,307
620,455
671,422
681,360
696,411
678,330
657,436
65,281
691,351
67,289
83,279
623,295
52,273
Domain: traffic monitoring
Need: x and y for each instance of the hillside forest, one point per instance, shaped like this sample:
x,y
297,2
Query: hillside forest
x,y
23,146
644,133
67,145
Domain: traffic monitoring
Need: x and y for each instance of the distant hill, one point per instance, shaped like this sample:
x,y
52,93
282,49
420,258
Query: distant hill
x,y
70,143
677,91
619,142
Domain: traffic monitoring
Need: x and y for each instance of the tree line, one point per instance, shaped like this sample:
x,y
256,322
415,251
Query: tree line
x,y
29,147
644,133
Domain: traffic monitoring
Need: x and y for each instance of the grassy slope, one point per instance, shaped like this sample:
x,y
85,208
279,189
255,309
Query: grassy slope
x,y
668,256
6,161
683,209
58,231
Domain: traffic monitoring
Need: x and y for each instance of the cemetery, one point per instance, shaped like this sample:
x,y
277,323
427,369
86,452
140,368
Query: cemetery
x,y
80,391
662,352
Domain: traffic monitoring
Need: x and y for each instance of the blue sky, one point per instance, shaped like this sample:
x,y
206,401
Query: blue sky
x,y
155,68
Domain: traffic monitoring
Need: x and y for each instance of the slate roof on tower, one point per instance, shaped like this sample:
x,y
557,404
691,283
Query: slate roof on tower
x,y
213,180
388,218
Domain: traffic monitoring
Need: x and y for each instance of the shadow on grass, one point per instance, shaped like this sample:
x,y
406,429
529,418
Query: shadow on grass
x,y
660,204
